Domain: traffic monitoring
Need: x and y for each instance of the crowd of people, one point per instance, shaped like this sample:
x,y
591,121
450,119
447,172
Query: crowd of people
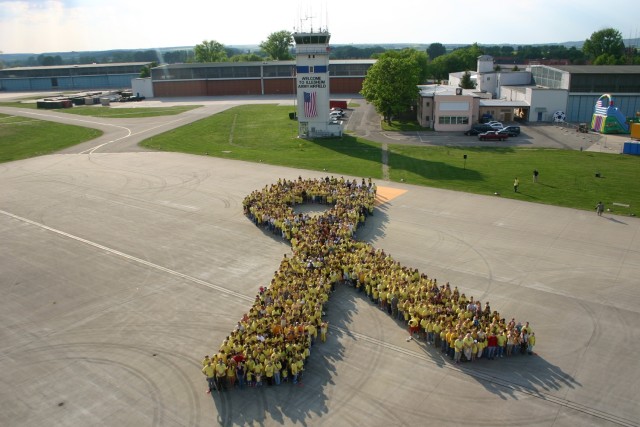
x,y
271,343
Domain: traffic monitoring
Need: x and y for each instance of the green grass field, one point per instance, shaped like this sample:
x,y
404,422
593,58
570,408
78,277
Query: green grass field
x,y
567,178
21,137
264,133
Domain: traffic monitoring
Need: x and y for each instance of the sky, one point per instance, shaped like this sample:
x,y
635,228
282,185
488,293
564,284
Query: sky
x,y
40,26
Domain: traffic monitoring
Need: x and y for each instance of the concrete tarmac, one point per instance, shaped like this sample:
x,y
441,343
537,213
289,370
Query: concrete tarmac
x,y
121,270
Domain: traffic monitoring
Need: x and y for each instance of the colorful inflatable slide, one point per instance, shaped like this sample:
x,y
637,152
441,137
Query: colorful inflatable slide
x,y
607,118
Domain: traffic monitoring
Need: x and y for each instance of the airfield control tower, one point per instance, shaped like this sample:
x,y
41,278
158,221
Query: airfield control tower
x,y
312,82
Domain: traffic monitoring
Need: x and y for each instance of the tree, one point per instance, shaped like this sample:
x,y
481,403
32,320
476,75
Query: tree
x,y
436,49
246,57
210,51
391,84
176,56
419,57
506,50
604,42
466,82
353,52
465,58
278,44
146,70
145,55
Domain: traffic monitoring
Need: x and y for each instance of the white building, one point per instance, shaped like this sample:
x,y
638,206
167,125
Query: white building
x,y
312,81
489,78
536,93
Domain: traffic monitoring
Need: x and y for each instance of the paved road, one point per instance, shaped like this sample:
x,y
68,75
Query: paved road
x,y
120,270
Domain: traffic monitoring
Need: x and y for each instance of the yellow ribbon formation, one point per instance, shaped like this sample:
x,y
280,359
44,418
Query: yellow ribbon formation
x,y
287,316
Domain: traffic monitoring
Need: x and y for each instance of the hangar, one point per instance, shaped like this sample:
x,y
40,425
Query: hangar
x,y
250,78
70,77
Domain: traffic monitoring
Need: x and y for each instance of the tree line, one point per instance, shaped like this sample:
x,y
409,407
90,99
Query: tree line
x,y
603,47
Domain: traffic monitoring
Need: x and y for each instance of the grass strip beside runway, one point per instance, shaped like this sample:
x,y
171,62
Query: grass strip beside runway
x,y
22,137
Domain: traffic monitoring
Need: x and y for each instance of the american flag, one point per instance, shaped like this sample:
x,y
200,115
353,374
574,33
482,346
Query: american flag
x,y
310,104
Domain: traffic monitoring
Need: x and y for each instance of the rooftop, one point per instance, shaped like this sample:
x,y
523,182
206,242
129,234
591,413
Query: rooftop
x,y
595,69
74,66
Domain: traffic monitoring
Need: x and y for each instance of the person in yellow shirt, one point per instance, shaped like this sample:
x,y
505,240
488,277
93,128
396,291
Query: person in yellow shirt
x,y
437,328
467,343
250,381
221,374
277,369
210,372
531,343
430,332
458,346
231,374
294,372
423,328
502,341
258,373
206,361
269,370
414,326
323,331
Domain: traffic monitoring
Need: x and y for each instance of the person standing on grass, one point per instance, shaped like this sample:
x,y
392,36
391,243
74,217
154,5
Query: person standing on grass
x,y
535,175
516,184
600,208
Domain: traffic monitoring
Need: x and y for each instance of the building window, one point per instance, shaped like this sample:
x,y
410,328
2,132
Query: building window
x,y
453,120
428,103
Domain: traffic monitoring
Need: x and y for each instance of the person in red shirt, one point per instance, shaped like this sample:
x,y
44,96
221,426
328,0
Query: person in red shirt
x,y
492,345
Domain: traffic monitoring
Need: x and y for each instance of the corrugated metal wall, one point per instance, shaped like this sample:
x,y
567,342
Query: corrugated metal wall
x,y
99,81
580,107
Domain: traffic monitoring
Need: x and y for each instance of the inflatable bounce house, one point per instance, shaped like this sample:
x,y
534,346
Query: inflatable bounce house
x,y
607,118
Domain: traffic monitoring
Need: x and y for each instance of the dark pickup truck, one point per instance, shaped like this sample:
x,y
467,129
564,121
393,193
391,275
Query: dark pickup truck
x,y
493,135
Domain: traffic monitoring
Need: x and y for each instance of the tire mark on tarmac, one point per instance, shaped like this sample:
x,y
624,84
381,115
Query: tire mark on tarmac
x,y
410,353
511,385
163,356
131,257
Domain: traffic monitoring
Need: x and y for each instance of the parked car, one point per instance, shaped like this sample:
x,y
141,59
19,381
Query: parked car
x,y
478,129
493,135
496,125
336,114
511,130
